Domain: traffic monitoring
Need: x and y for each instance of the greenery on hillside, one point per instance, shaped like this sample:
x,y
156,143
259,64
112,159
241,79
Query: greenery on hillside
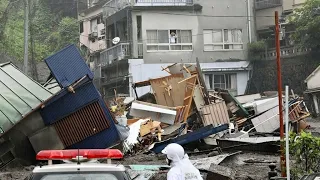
x,y
307,23
50,30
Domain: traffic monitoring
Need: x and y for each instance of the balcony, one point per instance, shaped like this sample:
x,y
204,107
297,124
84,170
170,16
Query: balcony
x,y
284,52
264,4
118,52
114,6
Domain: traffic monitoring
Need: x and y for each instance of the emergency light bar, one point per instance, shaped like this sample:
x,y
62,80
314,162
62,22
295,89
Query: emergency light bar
x,y
83,153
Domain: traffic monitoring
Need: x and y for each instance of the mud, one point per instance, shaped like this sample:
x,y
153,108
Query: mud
x,y
247,165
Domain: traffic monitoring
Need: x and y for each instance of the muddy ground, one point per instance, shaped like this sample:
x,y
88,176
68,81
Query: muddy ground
x,y
247,165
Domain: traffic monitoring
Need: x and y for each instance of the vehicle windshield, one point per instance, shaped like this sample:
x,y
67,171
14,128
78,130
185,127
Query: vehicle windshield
x,y
81,176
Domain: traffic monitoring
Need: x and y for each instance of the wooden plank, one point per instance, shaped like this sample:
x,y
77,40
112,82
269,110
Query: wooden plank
x,y
186,79
176,94
187,102
202,82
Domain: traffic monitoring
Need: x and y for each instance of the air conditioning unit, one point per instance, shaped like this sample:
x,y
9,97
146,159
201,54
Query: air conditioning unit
x,y
93,36
101,30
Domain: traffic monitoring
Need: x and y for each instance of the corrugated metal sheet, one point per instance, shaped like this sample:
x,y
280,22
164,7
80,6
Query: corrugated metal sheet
x,y
67,66
66,103
104,139
215,114
19,95
81,124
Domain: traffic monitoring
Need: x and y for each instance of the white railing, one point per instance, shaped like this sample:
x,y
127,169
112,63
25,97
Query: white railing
x,y
114,6
263,4
164,2
118,52
285,52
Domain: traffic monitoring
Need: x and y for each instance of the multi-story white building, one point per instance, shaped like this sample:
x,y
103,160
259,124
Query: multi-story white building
x,y
170,31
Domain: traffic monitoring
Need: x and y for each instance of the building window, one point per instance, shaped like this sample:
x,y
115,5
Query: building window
x,y
222,39
222,81
81,27
169,40
93,25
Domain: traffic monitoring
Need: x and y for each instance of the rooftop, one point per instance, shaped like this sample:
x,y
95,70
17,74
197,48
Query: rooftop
x,y
19,95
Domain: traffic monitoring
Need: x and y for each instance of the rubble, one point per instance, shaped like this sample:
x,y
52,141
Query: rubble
x,y
220,172
72,114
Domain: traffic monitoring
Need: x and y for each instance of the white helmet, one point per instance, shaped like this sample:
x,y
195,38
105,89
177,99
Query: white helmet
x,y
174,152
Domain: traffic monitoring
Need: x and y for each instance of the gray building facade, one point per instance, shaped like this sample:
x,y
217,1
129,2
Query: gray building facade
x,y
170,31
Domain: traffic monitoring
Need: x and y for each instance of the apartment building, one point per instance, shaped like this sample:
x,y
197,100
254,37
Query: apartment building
x,y
265,22
92,35
168,31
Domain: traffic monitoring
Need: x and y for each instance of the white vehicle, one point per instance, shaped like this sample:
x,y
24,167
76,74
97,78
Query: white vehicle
x,y
79,165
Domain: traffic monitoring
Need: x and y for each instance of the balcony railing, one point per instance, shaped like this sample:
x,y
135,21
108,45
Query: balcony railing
x,y
164,2
264,4
118,52
285,52
113,6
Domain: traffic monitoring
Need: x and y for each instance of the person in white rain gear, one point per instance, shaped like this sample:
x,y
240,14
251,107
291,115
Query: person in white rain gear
x,y
181,166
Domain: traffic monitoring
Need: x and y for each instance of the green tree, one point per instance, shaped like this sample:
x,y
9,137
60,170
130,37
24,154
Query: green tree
x,y
307,23
68,32
305,150
49,31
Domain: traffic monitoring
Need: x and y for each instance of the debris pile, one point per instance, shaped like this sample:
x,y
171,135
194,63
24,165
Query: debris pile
x,y
184,111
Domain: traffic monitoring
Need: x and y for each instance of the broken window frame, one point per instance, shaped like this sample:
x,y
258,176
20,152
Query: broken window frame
x,y
163,44
228,82
229,40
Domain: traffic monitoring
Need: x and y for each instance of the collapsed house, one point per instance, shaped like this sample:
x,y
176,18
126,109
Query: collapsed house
x,y
182,110
69,114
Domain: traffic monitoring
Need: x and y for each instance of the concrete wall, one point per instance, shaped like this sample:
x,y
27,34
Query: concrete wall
x,y
263,18
242,80
141,72
294,72
288,4
166,20
314,81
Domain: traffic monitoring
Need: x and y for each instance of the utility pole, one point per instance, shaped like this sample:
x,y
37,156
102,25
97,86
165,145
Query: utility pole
x,y
249,21
282,157
26,34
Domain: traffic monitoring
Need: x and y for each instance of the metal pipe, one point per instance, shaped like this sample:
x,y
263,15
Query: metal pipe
x,y
287,132
282,158
26,36
249,21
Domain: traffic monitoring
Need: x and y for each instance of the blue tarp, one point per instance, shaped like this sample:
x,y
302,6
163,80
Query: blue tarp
x,y
67,66
190,137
